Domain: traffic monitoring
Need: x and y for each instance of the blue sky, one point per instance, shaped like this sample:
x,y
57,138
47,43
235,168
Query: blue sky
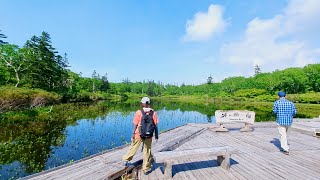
x,y
171,41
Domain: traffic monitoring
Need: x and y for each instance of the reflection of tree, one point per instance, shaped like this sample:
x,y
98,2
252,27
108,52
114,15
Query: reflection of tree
x,y
209,118
206,109
263,112
28,136
33,146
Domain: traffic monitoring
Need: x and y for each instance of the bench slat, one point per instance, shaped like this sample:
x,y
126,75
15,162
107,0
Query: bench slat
x,y
164,156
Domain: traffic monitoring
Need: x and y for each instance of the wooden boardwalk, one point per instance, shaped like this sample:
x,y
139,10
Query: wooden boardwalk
x,y
258,155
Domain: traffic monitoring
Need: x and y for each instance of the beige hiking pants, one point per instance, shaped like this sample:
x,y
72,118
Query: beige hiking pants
x,y
283,130
146,166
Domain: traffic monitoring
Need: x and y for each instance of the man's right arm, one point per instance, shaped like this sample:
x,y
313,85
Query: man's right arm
x,y
133,131
275,107
136,119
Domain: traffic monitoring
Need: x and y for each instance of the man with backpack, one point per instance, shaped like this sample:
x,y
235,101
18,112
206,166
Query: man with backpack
x,y
144,125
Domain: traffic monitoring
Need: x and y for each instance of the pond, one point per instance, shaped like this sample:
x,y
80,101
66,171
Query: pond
x,y
37,140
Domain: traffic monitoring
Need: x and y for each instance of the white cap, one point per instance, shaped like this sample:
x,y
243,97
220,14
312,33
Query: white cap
x,y
145,100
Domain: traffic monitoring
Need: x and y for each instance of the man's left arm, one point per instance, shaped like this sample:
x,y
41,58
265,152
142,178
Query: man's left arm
x,y
156,133
156,121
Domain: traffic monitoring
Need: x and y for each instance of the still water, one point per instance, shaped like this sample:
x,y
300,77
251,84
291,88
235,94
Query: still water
x,y
34,145
36,140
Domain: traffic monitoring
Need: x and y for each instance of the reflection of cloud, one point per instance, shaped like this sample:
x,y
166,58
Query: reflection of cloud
x,y
204,25
279,42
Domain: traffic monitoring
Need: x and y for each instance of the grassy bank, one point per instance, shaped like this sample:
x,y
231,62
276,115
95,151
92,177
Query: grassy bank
x,y
12,98
263,109
308,98
71,112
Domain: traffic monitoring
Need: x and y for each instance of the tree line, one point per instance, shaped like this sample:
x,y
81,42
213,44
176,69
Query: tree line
x,y
36,65
39,65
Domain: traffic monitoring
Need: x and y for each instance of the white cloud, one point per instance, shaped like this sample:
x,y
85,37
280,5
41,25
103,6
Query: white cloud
x,y
205,24
302,19
279,42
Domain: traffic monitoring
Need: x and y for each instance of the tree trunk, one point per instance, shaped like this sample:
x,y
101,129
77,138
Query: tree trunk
x,y
17,77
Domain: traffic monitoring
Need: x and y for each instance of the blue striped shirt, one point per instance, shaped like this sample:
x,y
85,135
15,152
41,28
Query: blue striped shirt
x,y
284,110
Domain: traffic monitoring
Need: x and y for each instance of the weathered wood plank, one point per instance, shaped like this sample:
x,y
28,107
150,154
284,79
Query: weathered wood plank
x,y
258,156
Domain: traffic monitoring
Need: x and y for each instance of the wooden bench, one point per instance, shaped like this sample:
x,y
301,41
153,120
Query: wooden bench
x,y
168,157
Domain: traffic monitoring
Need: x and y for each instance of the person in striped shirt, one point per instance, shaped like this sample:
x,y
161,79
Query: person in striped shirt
x,y
285,110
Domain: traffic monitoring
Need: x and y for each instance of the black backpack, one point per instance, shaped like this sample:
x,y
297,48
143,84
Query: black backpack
x,y
147,125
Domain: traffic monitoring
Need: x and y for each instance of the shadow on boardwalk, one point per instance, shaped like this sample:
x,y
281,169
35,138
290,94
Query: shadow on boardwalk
x,y
276,143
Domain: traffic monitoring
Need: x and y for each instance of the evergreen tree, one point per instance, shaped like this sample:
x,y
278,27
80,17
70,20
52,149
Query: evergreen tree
x,y
95,75
257,70
151,87
105,83
48,70
209,80
2,36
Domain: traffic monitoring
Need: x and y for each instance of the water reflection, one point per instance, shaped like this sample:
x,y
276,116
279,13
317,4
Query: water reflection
x,y
25,147
32,141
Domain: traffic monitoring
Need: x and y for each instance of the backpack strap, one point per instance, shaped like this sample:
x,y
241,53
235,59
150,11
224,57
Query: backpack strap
x,y
142,112
150,113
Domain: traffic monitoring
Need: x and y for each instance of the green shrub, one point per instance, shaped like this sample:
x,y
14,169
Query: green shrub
x,y
249,93
84,96
96,96
219,94
311,97
266,98
12,98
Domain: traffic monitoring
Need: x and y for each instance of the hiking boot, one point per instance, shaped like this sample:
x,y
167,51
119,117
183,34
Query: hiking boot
x,y
286,152
147,172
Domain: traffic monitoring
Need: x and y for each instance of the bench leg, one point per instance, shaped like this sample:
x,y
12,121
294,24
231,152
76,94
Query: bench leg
x,y
168,170
224,161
